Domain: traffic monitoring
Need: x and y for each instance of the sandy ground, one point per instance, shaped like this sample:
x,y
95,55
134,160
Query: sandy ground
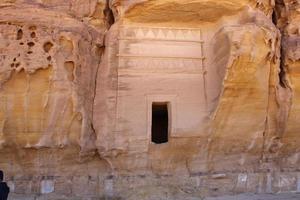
x,y
259,197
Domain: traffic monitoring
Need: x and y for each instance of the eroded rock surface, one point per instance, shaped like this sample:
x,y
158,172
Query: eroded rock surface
x,y
78,81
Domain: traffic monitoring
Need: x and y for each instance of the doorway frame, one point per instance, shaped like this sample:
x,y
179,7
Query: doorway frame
x,y
171,101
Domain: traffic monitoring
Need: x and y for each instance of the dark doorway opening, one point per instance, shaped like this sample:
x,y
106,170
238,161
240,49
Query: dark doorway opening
x,y
160,123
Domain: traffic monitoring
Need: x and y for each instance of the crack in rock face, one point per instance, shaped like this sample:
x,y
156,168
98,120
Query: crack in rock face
x,y
144,99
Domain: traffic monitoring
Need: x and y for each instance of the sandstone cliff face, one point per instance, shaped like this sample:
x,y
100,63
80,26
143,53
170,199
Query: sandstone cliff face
x,y
78,80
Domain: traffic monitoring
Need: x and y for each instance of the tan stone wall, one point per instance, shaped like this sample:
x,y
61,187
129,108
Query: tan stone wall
x,y
77,80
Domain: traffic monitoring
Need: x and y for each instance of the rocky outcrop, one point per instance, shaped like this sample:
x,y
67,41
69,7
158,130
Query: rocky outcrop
x,y
47,78
78,81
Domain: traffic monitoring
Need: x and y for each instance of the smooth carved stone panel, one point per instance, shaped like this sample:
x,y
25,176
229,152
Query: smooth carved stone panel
x,y
159,49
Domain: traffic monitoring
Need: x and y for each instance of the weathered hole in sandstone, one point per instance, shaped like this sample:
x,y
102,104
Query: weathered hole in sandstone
x,y
49,58
47,46
69,66
19,34
33,35
29,52
30,44
160,123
